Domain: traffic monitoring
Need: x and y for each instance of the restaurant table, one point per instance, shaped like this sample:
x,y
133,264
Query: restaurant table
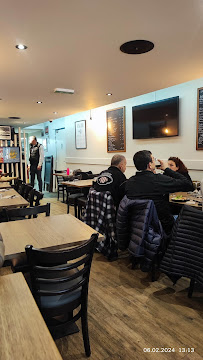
x,y
4,185
50,232
15,201
24,334
7,178
79,183
193,200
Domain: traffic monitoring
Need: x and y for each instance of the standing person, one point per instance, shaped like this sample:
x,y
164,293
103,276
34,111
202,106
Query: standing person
x,y
36,160
175,164
113,178
146,184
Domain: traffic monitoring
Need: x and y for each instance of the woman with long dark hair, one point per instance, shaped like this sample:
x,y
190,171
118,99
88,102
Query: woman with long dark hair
x,y
175,164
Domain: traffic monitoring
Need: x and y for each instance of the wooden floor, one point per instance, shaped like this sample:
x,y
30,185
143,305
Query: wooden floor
x,y
128,313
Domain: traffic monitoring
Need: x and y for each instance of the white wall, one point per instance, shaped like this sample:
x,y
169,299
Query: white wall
x,y
96,158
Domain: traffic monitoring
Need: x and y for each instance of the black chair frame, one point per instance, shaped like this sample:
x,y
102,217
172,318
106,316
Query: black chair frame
x,y
59,268
21,213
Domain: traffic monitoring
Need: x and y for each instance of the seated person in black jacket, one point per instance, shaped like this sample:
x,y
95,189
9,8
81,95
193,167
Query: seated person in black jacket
x,y
146,184
113,178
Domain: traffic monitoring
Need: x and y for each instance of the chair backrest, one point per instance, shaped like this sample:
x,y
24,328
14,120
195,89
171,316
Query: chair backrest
x,y
34,197
21,189
59,179
27,190
60,273
21,213
17,183
184,255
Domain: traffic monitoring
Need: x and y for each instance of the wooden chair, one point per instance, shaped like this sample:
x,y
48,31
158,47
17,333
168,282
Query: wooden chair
x,y
82,202
34,197
72,199
59,281
27,190
21,188
21,213
60,188
17,183
19,264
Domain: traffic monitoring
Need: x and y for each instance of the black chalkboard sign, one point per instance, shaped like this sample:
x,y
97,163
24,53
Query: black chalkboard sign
x,y
199,140
116,130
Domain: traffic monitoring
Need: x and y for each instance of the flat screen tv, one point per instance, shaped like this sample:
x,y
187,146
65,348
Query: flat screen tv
x,y
157,119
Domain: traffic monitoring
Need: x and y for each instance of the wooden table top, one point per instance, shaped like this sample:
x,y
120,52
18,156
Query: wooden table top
x,y
79,183
24,334
4,185
55,232
190,197
7,178
13,202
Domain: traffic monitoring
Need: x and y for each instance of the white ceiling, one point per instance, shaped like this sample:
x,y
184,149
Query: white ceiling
x,y
75,44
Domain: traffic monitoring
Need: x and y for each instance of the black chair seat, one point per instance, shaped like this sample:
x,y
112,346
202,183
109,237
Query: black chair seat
x,y
73,200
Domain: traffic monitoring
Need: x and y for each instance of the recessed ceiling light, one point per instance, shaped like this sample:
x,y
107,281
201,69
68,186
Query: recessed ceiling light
x,y
55,112
21,47
14,117
137,47
39,102
109,94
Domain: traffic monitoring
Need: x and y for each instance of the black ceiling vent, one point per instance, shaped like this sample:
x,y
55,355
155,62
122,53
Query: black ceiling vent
x,y
137,47
14,117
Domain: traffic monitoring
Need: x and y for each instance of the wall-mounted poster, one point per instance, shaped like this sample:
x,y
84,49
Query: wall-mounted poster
x,y
5,132
9,155
80,134
116,130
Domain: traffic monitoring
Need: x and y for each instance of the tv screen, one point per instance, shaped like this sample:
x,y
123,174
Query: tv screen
x,y
157,119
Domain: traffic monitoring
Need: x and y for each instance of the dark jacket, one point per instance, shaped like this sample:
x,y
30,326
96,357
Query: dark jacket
x,y
111,180
34,154
139,229
147,185
184,256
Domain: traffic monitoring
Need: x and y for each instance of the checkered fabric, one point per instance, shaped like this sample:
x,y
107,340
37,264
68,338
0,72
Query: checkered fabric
x,y
100,214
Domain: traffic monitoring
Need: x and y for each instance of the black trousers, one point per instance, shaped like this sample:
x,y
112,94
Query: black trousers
x,y
33,171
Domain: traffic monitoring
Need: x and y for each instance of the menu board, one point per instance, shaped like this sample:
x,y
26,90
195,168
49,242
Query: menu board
x,y
199,139
9,155
116,130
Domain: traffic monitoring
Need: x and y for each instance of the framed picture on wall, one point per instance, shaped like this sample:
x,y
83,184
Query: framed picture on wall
x,y
199,138
80,134
5,132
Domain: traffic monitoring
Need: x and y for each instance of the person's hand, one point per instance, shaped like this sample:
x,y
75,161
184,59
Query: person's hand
x,y
39,167
164,164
